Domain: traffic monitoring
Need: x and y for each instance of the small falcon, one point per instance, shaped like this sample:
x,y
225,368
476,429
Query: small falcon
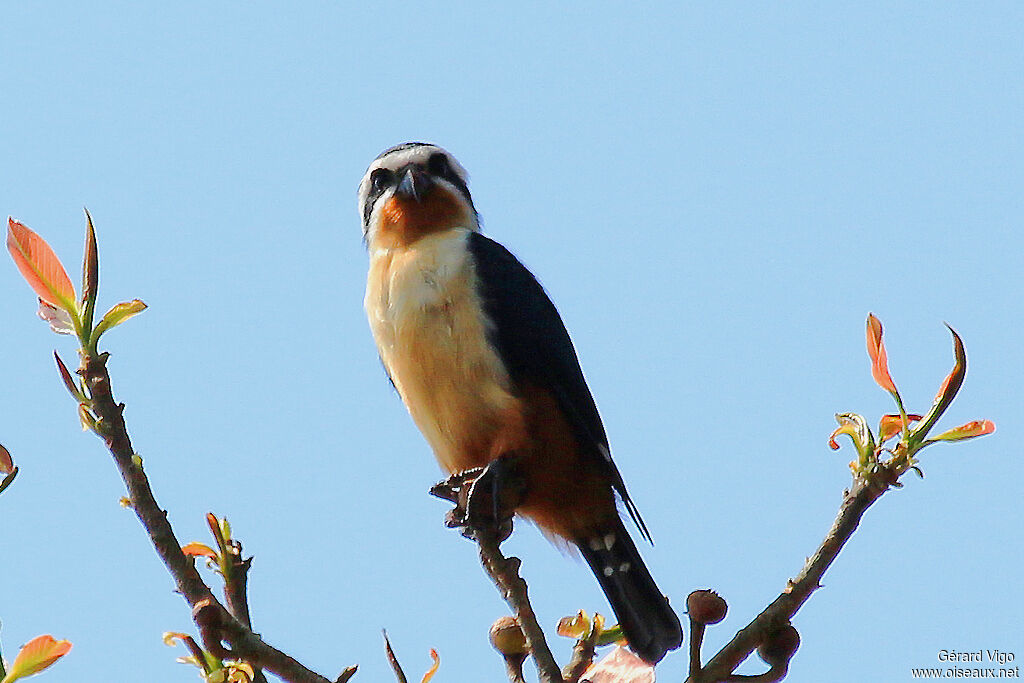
x,y
484,364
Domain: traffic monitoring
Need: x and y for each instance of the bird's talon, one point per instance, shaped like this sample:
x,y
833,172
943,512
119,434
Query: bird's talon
x,y
450,488
455,518
497,491
485,498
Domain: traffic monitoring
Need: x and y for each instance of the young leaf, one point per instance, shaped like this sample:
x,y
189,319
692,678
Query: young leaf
x,y
60,320
40,266
36,655
171,636
948,390
6,462
117,315
240,672
876,352
220,528
433,668
8,479
7,468
69,381
955,378
90,273
612,636
891,425
87,419
966,431
575,626
199,659
196,549
855,427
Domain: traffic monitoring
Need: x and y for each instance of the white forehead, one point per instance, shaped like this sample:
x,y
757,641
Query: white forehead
x,y
402,156
415,154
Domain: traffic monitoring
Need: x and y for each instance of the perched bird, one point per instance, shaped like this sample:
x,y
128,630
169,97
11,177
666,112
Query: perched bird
x,y
482,361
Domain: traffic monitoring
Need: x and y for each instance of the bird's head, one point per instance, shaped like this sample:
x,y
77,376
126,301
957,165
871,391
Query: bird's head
x,y
413,190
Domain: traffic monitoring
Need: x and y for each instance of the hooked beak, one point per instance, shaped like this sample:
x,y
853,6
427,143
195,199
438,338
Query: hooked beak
x,y
414,184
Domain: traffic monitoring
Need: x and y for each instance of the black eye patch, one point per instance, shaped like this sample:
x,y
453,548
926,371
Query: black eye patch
x,y
380,180
437,165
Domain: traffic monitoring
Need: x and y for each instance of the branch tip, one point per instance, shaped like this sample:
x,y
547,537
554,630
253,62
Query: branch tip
x,y
348,673
392,659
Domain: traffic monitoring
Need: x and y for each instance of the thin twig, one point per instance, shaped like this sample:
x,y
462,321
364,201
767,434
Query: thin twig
x,y
237,599
514,668
696,640
244,643
504,571
772,675
582,655
348,673
855,503
493,492
393,659
236,580
235,590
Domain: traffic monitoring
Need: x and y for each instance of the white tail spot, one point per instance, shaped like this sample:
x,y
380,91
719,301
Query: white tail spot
x,y
609,541
624,567
608,571
595,544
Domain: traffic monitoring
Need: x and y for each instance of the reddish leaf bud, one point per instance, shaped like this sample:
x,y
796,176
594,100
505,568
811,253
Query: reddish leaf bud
x,y
706,607
878,356
6,463
507,638
779,645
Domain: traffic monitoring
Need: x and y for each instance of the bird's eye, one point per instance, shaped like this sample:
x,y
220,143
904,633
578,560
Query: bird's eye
x,y
380,179
438,166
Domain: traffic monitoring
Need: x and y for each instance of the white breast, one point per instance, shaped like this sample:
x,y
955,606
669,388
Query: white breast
x,y
429,325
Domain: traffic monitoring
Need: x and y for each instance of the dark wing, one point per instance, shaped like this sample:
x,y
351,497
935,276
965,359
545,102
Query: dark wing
x,y
534,345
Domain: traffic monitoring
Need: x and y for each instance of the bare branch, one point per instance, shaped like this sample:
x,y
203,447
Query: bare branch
x,y
235,571
214,621
504,572
236,596
484,504
236,583
582,655
855,503
348,673
776,673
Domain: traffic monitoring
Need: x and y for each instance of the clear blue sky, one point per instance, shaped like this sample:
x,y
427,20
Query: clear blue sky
x,y
714,195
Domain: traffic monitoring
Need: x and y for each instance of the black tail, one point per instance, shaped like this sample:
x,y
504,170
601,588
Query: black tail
x,y
650,625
